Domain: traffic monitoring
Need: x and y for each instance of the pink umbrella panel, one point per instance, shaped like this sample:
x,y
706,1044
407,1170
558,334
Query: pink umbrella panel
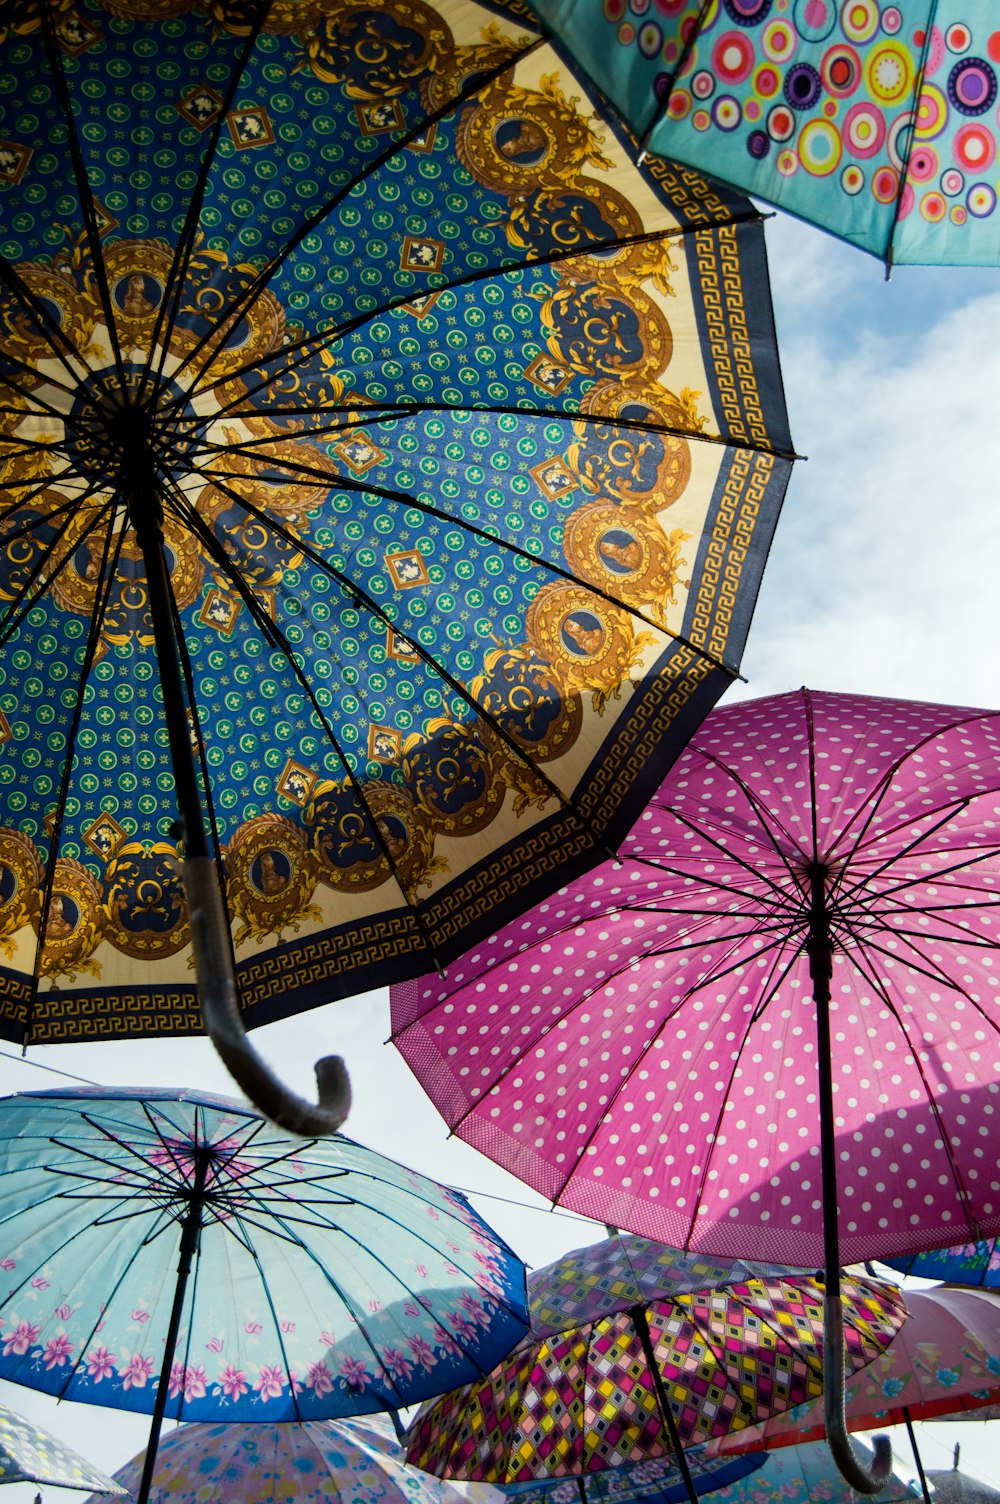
x,y
816,880
945,1361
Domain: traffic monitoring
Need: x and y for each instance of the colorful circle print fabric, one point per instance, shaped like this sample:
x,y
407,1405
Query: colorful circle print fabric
x,y
878,121
469,440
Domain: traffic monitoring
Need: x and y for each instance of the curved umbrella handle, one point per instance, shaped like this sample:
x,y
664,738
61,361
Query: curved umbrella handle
x,y
217,988
863,1480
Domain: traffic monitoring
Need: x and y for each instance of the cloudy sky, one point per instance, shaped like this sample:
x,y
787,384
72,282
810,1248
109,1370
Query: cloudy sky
x,y
882,580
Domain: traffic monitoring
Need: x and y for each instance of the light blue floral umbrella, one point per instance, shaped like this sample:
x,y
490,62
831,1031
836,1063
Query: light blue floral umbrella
x,y
324,1279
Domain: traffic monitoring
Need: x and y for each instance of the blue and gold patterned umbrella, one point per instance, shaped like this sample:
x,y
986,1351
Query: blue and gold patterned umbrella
x,y
388,469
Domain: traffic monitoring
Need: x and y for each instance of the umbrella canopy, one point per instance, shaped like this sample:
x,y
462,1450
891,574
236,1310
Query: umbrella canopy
x,y
389,467
804,1474
622,1274
659,1481
965,1264
772,1030
174,1253
30,1455
876,121
298,1462
622,1271
605,1393
946,1359
642,1047
953,1487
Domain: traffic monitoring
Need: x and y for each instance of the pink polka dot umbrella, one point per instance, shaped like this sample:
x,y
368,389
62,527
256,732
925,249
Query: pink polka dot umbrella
x,y
800,933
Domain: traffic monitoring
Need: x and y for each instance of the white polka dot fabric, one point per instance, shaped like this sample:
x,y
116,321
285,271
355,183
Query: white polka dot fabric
x,y
641,1046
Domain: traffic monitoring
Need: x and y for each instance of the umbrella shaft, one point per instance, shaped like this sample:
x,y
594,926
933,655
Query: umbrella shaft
x,y
146,516
820,948
641,1324
187,1248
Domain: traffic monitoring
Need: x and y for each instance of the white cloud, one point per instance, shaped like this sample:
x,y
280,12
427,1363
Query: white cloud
x,y
882,576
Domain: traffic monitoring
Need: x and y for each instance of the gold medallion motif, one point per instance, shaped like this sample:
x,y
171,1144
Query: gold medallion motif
x,y
375,51
452,776
457,69
225,345
284,476
599,328
626,554
589,642
364,836
137,272
533,719
125,616
74,924
645,461
145,905
271,878
21,877
29,339
572,219
521,141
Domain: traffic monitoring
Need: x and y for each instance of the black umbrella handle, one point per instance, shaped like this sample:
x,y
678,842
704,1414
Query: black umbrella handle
x,y
219,1008
861,1478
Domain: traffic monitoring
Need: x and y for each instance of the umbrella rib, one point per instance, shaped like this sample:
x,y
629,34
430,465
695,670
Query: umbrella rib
x,y
864,943
360,595
908,848
279,642
455,519
132,1259
313,345
68,510
663,95
91,227
166,321
906,151
62,349
884,785
390,412
242,304
547,1028
102,595
359,1325
28,389
779,970
782,1342
27,603
766,816
861,961
811,744
782,895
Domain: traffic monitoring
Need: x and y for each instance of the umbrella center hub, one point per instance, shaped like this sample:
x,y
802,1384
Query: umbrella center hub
x,y
130,440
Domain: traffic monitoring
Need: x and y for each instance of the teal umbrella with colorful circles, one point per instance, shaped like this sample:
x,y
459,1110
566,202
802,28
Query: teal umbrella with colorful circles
x,y
388,468
877,121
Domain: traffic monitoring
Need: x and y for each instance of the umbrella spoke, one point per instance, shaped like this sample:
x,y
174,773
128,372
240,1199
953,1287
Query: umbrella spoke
x,y
86,200
242,304
169,309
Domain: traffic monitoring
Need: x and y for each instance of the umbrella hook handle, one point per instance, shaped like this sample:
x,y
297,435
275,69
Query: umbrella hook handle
x,y
864,1480
220,1011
